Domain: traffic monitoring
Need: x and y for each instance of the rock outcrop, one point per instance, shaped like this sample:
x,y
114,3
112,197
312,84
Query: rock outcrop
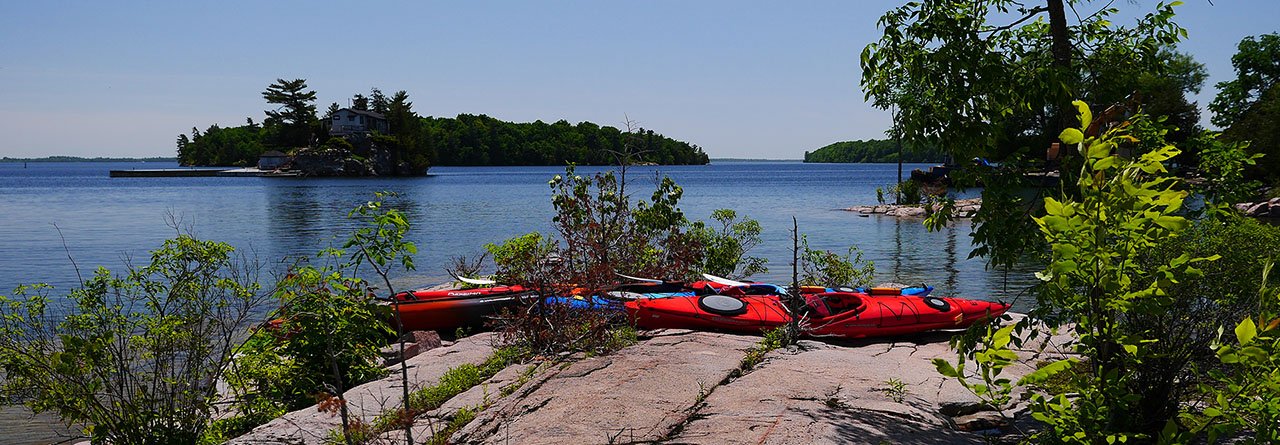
x,y
964,208
367,401
353,155
1263,209
686,387
640,394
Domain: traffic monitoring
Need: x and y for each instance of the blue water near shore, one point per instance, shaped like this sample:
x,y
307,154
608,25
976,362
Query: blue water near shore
x,y
454,211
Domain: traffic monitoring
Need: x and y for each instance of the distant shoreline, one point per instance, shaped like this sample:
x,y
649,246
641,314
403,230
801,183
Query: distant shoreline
x,y
80,159
753,160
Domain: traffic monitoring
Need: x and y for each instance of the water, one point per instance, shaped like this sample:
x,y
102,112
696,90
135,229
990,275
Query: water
x,y
55,212
52,211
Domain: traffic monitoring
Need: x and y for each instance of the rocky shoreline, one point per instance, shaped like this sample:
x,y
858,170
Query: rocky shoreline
x,y
1262,209
679,386
964,208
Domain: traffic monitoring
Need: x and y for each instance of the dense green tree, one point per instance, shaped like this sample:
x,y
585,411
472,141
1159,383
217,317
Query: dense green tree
x,y
294,121
1257,64
483,140
1248,107
873,150
967,77
238,146
959,64
1260,127
378,102
359,102
407,130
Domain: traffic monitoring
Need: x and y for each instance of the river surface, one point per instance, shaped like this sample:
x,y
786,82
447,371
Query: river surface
x,y
53,213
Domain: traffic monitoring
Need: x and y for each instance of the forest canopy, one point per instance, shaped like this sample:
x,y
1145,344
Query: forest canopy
x,y
423,141
873,150
482,140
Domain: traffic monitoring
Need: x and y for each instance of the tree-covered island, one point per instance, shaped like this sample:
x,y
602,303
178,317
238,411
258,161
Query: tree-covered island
x,y
380,135
872,150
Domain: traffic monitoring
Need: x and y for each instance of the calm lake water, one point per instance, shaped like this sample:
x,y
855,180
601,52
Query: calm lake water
x,y
54,210
49,211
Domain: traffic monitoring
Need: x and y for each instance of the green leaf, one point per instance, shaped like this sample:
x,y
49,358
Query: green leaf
x,y
1052,206
1071,136
1086,116
1099,150
945,368
1174,223
1066,251
1105,163
1246,331
1045,372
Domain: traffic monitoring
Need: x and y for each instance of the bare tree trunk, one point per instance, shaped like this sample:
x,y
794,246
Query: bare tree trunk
x,y
1061,49
897,137
342,400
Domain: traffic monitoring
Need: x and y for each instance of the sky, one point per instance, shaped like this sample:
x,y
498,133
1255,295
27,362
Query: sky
x,y
741,79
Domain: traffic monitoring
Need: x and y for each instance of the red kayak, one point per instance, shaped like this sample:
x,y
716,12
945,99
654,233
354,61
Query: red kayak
x,y
835,314
436,310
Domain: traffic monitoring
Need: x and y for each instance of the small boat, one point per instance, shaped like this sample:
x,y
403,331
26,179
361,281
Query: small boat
x,y
448,309
828,314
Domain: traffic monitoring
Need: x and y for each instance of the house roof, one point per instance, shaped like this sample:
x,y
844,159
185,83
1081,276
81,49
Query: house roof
x,y
365,113
274,154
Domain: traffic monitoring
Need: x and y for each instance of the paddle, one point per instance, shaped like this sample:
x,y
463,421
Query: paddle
x,y
643,280
724,281
475,281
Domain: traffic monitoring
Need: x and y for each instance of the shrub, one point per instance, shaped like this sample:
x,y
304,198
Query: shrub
x,y
907,192
1246,394
725,248
827,268
136,356
1194,309
1094,282
326,335
549,329
325,339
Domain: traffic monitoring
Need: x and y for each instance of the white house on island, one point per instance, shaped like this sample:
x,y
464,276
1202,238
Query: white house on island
x,y
348,121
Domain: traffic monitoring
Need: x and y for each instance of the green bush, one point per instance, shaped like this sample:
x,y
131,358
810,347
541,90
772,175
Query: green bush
x,y
724,249
1246,392
326,322
135,357
908,192
827,268
1097,281
326,335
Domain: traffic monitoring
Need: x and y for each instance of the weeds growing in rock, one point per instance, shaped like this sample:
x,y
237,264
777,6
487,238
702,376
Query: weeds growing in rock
x,y
455,381
895,390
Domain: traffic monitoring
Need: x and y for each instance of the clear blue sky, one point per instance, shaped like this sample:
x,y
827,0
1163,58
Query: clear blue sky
x,y
740,79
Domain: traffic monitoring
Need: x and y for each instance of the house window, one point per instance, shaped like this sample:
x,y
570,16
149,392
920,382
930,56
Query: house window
x,y
337,117
351,117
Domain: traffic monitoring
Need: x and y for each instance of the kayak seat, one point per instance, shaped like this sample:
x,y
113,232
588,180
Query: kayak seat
x,y
839,304
817,305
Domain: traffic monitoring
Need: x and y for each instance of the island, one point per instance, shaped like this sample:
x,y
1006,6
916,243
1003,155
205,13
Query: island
x,y
873,150
382,136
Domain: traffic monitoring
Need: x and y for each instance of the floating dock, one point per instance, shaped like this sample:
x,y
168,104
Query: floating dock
x,y
167,173
198,173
